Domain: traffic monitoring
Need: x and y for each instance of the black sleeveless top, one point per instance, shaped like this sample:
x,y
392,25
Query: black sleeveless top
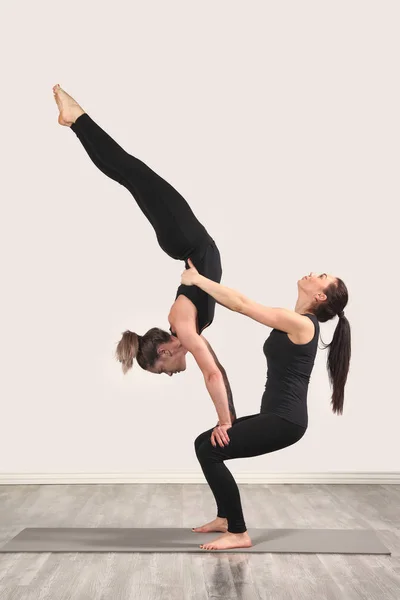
x,y
288,375
207,260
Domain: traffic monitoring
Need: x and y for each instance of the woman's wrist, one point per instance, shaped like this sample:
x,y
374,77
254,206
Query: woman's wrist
x,y
198,280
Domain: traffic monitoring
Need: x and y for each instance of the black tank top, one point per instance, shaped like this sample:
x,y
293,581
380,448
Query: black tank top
x,y
207,260
288,375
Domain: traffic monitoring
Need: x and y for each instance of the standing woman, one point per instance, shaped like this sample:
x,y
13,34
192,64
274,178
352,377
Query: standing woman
x,y
290,351
180,235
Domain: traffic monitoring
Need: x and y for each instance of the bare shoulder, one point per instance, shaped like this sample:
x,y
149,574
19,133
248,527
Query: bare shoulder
x,y
305,331
182,309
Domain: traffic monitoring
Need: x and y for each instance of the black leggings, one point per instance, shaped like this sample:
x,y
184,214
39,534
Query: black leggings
x,y
249,436
178,231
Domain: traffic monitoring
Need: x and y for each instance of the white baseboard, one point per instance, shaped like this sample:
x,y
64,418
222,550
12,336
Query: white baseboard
x,y
336,477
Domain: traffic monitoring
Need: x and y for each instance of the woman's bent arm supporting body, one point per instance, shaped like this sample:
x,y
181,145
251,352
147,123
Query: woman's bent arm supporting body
x,y
232,410
183,319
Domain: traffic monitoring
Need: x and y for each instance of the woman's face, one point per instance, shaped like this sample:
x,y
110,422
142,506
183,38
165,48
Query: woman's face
x,y
170,364
315,283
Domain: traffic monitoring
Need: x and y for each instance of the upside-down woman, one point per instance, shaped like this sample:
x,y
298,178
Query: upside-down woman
x,y
180,235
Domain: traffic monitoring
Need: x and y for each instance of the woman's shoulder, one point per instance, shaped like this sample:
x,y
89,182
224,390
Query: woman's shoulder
x,y
306,333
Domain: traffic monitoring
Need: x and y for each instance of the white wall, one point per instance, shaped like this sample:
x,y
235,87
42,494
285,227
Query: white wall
x,y
279,123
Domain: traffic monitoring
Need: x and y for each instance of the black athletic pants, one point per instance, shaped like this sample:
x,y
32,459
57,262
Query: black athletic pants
x,y
251,435
178,231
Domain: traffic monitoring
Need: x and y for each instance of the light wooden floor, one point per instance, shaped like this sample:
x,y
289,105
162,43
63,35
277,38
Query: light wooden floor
x,y
164,576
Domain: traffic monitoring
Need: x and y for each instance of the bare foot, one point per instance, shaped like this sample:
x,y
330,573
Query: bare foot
x,y
69,109
219,524
229,540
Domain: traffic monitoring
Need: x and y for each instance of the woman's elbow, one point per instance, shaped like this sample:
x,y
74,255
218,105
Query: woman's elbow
x,y
212,376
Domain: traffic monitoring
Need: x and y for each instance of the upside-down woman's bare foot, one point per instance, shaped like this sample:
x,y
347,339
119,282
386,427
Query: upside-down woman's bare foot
x,y
219,524
69,109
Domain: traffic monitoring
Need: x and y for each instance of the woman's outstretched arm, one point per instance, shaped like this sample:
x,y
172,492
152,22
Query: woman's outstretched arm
x,y
277,318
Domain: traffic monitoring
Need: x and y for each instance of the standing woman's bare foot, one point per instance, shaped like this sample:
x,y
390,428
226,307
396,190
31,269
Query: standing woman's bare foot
x,y
219,524
69,109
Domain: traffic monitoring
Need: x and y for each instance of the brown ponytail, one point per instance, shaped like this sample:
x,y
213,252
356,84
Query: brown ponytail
x,y
339,353
143,348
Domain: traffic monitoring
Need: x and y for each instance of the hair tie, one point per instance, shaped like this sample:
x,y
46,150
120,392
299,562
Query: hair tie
x,y
341,314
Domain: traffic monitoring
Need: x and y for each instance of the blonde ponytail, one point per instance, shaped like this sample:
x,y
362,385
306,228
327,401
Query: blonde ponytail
x,y
127,349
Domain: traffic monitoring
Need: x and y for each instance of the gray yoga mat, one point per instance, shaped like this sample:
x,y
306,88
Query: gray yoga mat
x,y
155,539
